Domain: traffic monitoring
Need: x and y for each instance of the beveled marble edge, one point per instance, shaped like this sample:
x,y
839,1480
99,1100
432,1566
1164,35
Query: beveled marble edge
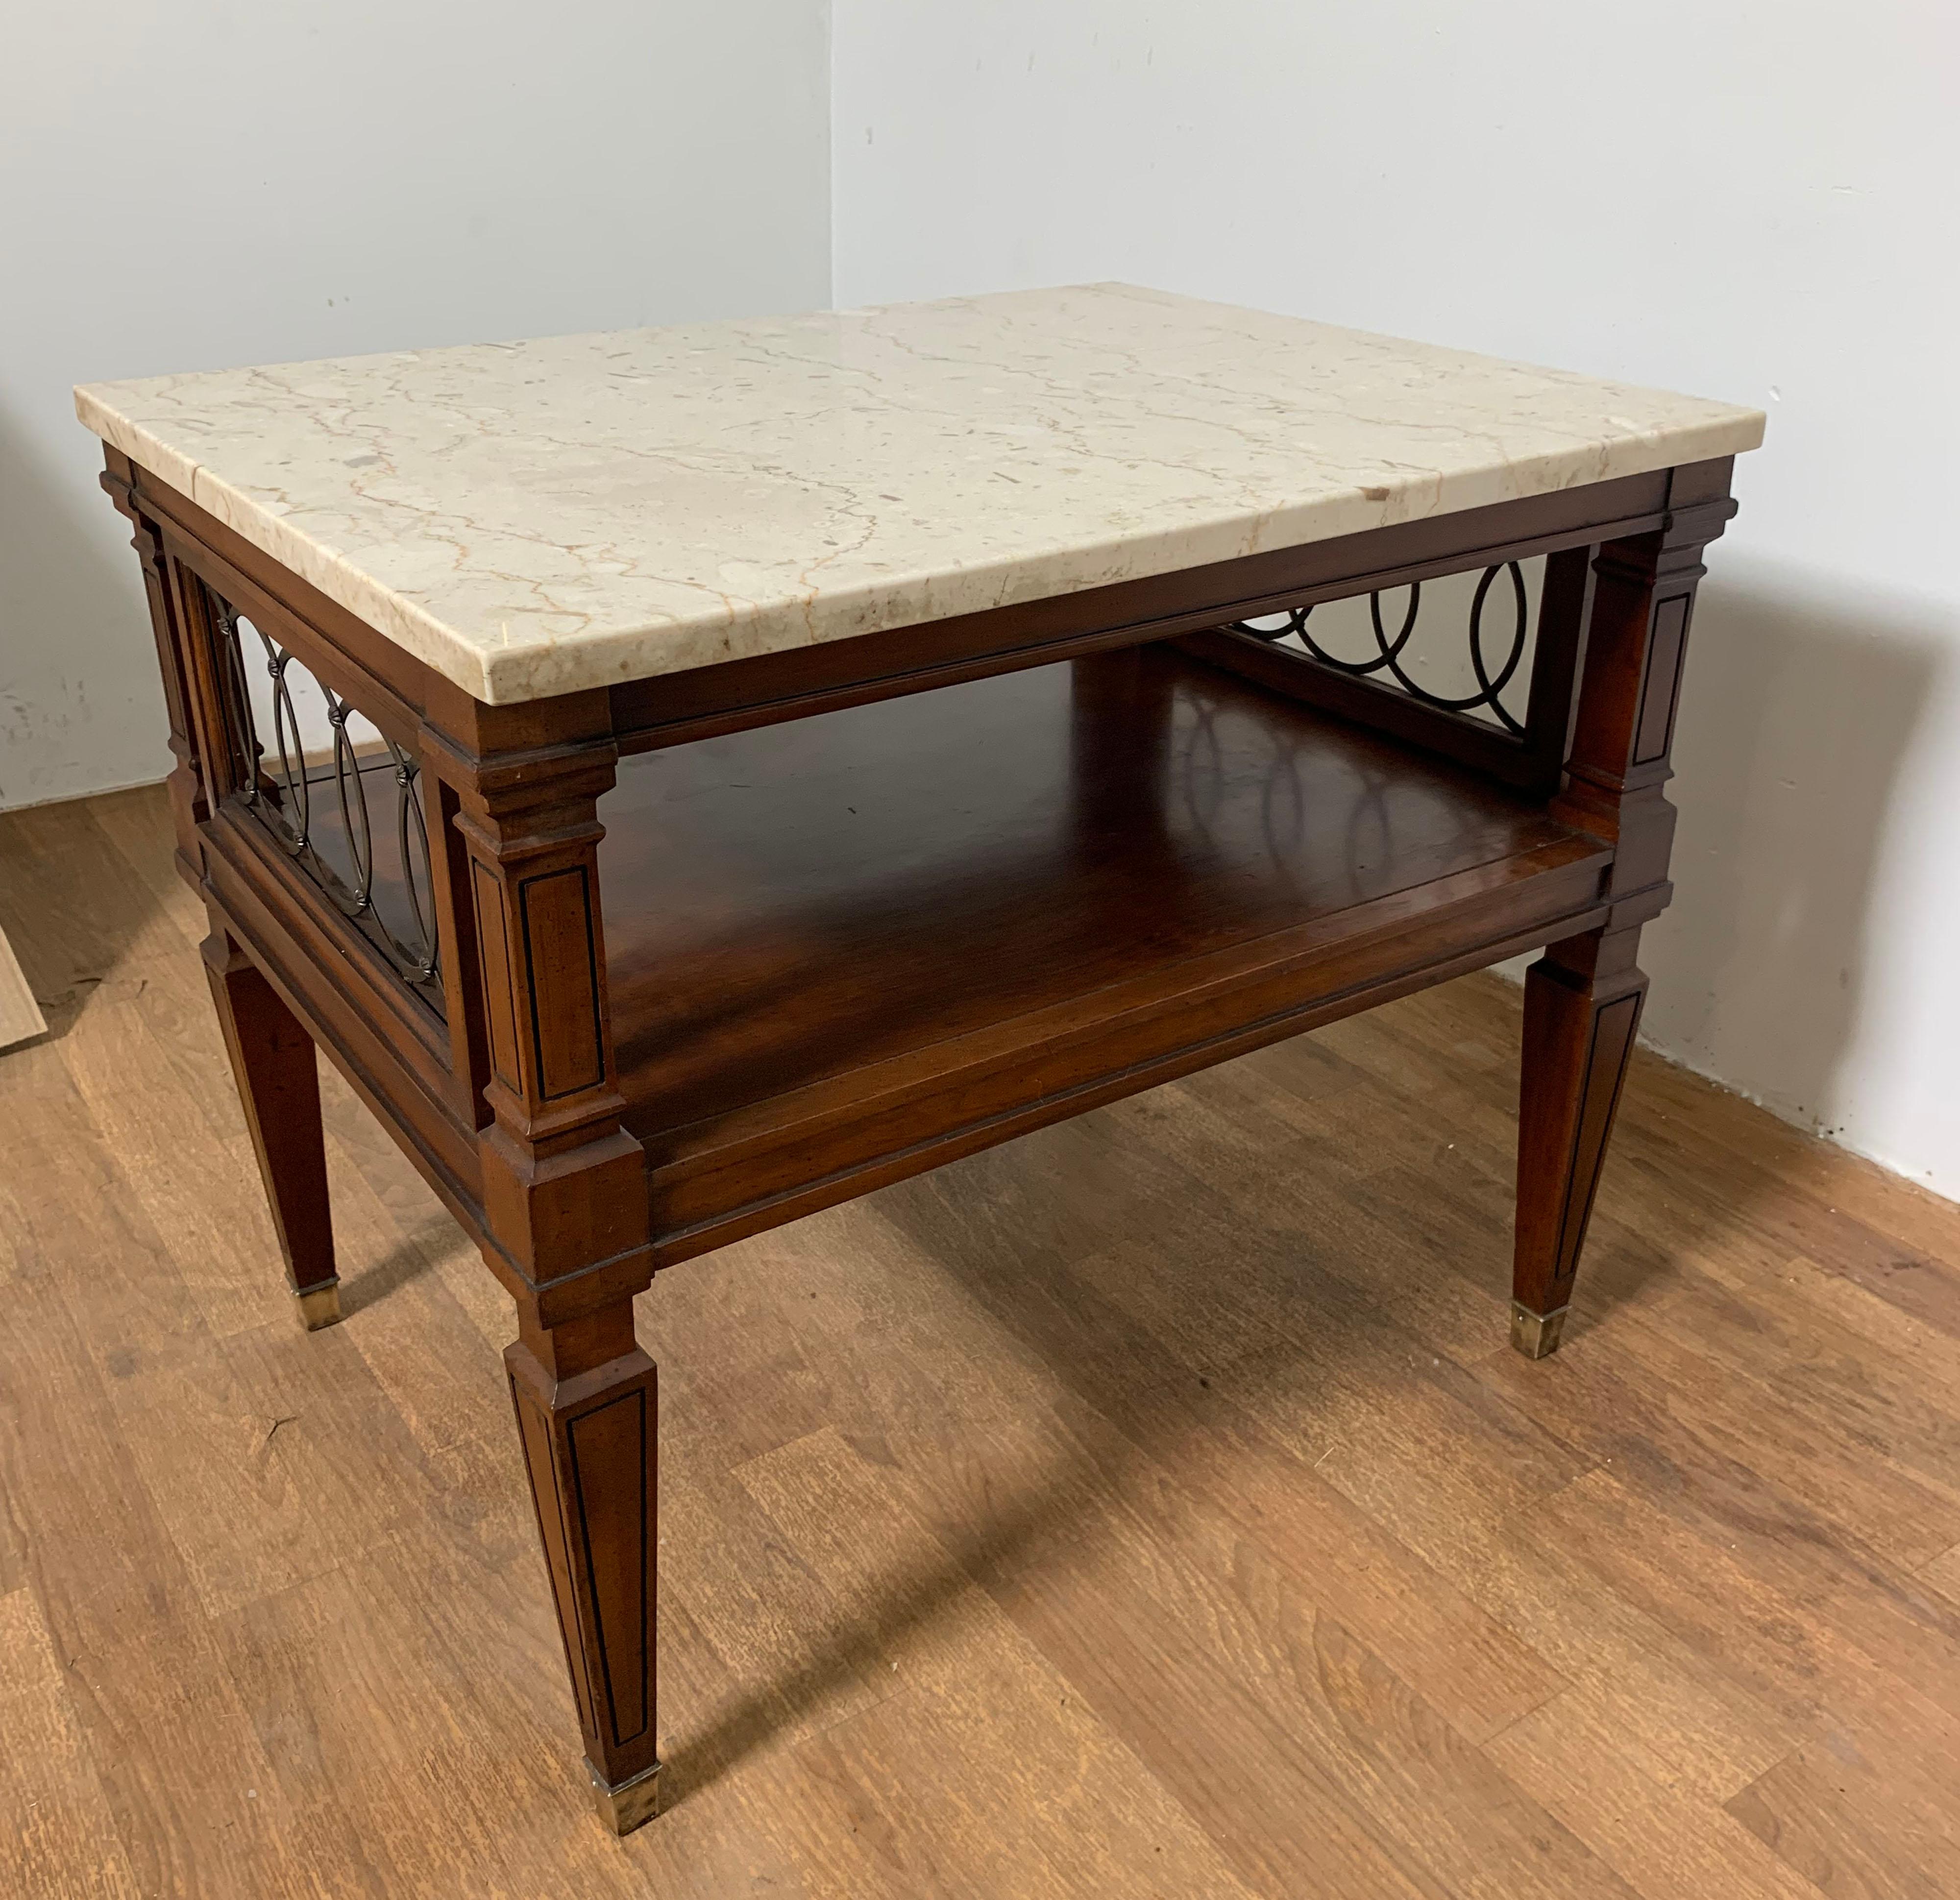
x,y
543,665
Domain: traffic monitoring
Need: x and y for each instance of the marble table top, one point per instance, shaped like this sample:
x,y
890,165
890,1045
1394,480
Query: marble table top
x,y
531,518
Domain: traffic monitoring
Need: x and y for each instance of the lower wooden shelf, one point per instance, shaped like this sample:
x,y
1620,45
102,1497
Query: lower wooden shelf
x,y
847,948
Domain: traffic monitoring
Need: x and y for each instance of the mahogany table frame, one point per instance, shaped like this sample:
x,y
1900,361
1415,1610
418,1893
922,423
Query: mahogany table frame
x,y
507,1100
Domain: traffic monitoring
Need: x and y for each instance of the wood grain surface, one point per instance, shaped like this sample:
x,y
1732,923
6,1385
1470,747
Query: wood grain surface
x,y
842,949
1150,1506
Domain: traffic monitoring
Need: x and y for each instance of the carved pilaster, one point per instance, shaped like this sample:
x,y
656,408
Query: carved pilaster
x,y
565,1188
1583,998
1643,603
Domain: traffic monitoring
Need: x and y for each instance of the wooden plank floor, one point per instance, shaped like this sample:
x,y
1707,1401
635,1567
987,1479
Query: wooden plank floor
x,y
1151,1507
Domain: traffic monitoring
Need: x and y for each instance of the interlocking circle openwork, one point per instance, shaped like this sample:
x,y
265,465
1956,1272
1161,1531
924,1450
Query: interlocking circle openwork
x,y
1387,658
295,797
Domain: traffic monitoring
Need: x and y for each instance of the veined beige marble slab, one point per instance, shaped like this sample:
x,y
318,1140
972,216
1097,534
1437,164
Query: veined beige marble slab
x,y
531,518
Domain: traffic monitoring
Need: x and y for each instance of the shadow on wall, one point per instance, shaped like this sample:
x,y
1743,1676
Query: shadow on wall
x,y
74,631
1802,704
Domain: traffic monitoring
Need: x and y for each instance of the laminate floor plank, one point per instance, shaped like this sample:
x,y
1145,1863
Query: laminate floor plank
x,y
192,1797
1757,1188
424,1241
1792,1654
1737,1567
1725,1124
1192,1634
58,1819
139,827
1873,1331
1858,1823
325,1668
1173,1455
198,1192
76,914
1908,1517
1200,1432
1663,1842
443,1377
1617,1657
745,1818
1868,1403
1942,1574
1749,1237
1025,1789
1410,1461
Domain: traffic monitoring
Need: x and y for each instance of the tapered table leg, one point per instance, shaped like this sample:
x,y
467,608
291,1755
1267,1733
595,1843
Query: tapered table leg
x,y
585,1400
277,1073
566,1215
1582,1006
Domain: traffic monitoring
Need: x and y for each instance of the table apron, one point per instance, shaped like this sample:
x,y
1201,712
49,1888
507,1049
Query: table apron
x,y
674,709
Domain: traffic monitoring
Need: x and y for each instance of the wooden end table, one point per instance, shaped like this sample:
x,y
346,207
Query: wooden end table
x,y
966,758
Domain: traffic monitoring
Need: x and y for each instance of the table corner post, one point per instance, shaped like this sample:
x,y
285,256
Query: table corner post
x,y
565,1211
1584,996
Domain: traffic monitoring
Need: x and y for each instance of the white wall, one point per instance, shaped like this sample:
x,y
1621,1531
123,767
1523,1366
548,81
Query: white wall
x,y
1742,200
208,183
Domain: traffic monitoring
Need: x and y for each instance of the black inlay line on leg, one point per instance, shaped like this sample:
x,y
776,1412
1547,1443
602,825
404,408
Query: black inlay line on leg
x,y
639,1397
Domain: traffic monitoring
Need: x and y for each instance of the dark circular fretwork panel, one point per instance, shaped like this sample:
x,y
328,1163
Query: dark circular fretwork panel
x,y
343,800
1392,657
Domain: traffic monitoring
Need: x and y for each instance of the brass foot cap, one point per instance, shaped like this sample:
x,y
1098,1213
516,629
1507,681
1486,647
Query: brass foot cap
x,y
632,1804
319,1306
1536,1334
